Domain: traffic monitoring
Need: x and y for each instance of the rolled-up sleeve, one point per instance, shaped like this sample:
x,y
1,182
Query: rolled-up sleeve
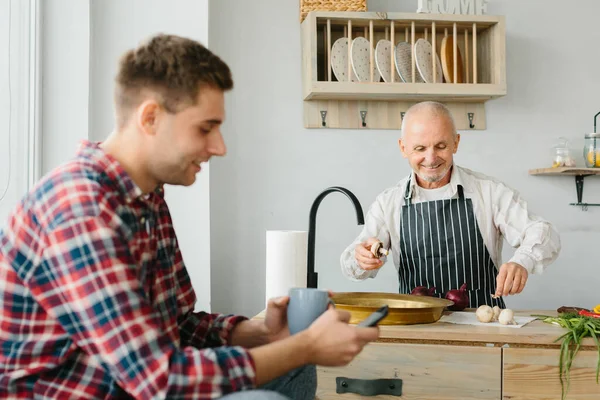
x,y
536,240
201,329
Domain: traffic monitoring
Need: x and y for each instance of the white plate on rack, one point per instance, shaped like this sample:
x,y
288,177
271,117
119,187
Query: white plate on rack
x,y
384,62
339,60
403,61
361,60
423,51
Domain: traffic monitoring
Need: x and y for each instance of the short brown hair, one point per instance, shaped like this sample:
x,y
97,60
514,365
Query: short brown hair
x,y
173,68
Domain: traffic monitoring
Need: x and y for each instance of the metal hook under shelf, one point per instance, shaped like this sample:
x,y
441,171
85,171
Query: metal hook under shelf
x,y
323,115
471,116
363,116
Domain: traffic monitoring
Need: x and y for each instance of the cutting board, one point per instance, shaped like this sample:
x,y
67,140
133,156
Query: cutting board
x,y
447,51
469,318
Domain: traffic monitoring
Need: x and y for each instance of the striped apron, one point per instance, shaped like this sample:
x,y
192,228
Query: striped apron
x,y
441,246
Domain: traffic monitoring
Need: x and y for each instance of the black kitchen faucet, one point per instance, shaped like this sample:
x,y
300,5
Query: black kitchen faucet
x,y
311,275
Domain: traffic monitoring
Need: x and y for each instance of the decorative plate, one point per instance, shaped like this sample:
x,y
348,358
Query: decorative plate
x,y
447,52
339,60
383,60
403,63
361,60
423,52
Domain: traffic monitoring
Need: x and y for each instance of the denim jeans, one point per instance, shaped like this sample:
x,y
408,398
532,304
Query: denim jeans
x,y
299,384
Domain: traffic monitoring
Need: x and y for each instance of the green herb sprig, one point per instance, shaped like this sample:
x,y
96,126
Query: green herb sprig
x,y
578,327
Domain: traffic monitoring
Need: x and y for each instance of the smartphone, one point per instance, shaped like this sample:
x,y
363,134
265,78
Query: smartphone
x,y
373,319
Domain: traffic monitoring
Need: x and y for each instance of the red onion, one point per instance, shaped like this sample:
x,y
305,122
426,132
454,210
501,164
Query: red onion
x,y
460,297
423,291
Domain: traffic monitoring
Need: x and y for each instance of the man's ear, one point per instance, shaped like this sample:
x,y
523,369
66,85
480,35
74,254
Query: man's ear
x,y
148,114
456,142
402,148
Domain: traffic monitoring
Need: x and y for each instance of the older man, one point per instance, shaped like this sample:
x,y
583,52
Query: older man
x,y
445,224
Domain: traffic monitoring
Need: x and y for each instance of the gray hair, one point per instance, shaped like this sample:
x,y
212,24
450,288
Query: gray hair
x,y
433,109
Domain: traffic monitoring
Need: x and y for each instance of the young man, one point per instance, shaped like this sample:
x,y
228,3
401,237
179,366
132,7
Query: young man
x,y
96,301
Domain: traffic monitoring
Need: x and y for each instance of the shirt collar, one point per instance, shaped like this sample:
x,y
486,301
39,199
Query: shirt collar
x,y
112,169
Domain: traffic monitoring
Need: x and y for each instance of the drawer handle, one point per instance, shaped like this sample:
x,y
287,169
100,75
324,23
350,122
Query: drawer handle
x,y
369,387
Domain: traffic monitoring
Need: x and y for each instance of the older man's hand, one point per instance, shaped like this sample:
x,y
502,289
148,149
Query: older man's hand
x,y
511,279
366,259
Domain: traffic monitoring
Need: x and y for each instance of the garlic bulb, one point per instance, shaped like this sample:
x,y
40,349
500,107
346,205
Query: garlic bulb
x,y
507,317
484,313
496,310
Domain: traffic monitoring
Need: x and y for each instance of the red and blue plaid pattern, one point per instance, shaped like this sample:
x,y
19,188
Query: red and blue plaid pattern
x,y
96,301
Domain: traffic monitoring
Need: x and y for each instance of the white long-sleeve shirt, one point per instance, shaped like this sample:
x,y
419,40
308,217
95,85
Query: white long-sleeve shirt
x,y
500,212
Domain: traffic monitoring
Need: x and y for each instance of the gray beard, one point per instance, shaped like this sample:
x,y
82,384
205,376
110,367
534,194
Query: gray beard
x,y
437,178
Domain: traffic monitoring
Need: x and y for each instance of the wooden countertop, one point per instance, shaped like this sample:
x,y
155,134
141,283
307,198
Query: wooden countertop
x,y
534,334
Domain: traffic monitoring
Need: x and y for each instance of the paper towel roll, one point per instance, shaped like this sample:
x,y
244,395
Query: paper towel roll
x,y
286,262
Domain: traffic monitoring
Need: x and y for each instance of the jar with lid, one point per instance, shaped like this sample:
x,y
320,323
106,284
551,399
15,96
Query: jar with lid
x,y
591,150
562,154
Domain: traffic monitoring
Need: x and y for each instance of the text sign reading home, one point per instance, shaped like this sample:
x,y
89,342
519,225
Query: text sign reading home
x,y
477,7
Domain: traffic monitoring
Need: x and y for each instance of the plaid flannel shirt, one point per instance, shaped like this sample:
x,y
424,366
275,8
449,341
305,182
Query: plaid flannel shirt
x,y
96,301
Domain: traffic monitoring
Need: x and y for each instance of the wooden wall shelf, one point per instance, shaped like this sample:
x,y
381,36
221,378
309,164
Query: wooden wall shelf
x,y
410,91
565,171
578,173
480,39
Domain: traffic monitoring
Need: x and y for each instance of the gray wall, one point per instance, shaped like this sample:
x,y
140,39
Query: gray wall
x,y
82,41
275,168
65,78
117,26
14,104
64,93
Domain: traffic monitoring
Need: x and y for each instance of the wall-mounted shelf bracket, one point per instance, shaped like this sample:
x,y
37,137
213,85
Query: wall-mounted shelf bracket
x,y
579,187
579,173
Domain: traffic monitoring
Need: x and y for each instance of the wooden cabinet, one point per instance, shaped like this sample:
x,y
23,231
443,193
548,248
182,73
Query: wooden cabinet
x,y
448,361
532,374
443,361
427,372
478,41
447,372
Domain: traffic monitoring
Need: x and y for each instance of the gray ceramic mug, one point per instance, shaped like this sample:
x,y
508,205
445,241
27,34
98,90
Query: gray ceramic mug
x,y
305,306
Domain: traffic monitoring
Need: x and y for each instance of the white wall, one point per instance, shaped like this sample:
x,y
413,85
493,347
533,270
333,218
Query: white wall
x,y
82,41
65,78
275,167
117,26
64,71
14,103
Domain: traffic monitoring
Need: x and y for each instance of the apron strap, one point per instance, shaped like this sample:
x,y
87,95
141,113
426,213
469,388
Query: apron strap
x,y
461,194
407,198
